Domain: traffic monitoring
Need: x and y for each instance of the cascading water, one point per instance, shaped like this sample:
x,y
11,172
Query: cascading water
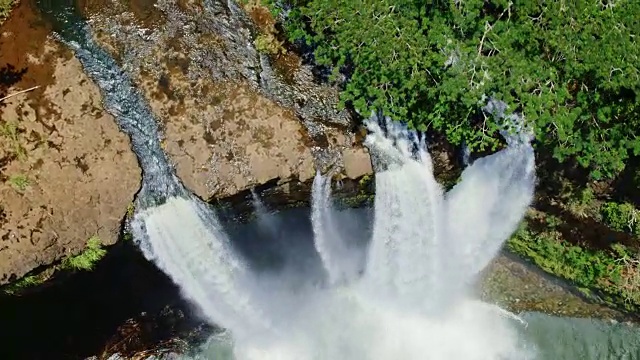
x,y
419,235
267,220
177,231
410,302
340,260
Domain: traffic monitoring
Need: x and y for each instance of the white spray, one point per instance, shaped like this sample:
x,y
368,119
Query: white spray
x,y
339,259
411,302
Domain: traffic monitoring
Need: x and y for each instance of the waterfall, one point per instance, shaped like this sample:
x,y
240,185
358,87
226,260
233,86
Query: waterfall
x,y
408,300
266,219
177,231
187,242
339,260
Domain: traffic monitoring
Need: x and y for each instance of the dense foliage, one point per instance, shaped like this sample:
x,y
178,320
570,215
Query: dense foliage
x,y
570,67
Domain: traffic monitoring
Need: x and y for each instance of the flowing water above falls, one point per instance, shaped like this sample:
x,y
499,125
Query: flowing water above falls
x,y
121,99
403,293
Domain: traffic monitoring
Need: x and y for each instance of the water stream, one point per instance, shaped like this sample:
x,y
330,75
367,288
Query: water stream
x,y
403,293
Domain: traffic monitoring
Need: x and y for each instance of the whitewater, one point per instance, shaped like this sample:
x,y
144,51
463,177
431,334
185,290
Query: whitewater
x,y
405,295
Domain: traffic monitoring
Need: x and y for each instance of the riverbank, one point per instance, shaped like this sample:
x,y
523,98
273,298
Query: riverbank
x,y
605,270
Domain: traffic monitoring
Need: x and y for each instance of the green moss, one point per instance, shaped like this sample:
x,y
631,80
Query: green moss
x,y
365,181
127,236
87,259
19,182
131,209
355,201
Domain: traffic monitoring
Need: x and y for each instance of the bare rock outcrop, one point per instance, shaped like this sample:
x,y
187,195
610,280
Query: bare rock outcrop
x,y
66,171
230,119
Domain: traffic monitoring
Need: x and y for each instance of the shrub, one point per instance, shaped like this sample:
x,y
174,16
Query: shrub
x,y
86,260
621,217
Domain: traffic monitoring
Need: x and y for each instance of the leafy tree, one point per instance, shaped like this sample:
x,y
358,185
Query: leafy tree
x,y
570,67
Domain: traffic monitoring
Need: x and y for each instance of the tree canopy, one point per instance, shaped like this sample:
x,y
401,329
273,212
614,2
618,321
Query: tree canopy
x,y
569,67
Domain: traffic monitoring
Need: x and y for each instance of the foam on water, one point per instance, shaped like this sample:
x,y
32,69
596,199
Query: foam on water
x,y
411,300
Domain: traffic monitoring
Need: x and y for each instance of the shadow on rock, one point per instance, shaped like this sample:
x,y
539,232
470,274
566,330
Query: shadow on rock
x,y
125,303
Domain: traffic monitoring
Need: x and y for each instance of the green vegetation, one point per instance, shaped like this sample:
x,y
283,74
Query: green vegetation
x,y
131,209
582,205
9,131
266,41
26,282
19,182
614,273
84,261
365,183
621,217
570,67
269,44
5,9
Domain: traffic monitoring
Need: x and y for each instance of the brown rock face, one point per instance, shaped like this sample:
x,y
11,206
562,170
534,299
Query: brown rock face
x,y
66,171
356,163
229,120
244,139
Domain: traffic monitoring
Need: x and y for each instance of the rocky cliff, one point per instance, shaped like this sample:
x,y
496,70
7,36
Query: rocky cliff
x,y
232,118
67,174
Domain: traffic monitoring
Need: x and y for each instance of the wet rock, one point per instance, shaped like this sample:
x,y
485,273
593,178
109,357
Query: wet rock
x,y
66,172
513,284
231,120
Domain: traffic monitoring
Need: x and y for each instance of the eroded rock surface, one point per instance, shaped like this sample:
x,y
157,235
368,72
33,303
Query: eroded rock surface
x,y
66,171
230,119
